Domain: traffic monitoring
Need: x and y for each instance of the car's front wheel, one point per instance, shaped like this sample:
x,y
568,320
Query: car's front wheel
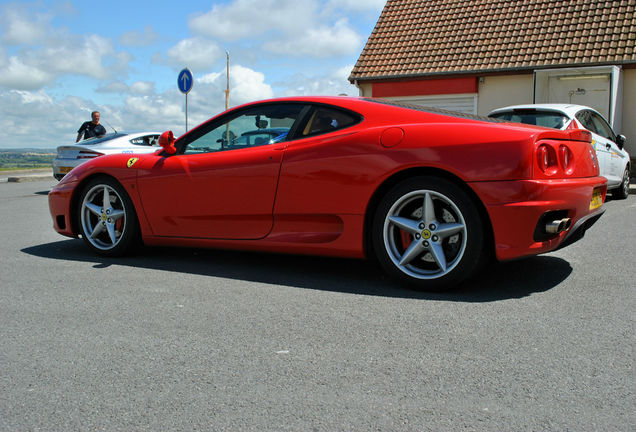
x,y
428,234
622,191
107,219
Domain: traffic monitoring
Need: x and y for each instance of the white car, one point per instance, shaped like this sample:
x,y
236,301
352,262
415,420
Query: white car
x,y
614,161
70,156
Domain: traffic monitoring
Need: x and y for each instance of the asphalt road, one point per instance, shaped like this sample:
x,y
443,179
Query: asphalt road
x,y
178,339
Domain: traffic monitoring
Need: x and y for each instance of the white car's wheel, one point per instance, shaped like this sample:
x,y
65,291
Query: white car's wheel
x,y
622,191
107,219
428,234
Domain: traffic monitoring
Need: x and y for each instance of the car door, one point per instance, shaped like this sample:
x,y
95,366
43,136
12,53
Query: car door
x,y
219,185
604,143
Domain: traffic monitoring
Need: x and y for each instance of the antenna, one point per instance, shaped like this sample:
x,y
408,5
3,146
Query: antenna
x,y
110,126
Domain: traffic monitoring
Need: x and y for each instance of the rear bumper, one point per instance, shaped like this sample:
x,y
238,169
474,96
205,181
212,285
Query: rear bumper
x,y
516,207
61,167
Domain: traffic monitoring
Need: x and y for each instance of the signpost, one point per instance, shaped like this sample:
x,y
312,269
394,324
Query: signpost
x,y
185,82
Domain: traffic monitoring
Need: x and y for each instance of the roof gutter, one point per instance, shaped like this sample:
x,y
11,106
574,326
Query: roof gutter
x,y
528,69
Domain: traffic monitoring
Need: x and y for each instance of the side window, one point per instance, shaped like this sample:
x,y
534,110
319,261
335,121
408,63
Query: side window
x,y
586,120
602,126
258,126
325,119
146,140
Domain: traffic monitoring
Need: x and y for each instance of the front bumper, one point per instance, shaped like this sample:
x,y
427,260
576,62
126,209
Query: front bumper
x,y
516,207
60,204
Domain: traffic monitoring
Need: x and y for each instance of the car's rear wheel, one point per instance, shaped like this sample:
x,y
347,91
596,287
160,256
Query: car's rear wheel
x,y
107,219
622,191
428,234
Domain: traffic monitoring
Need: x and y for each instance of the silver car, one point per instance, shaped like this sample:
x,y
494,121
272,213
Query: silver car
x,y
70,156
614,161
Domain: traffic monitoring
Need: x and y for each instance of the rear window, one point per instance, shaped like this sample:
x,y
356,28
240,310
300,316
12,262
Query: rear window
x,y
548,119
107,137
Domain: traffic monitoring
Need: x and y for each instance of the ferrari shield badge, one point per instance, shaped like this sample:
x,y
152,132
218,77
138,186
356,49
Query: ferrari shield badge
x,y
132,161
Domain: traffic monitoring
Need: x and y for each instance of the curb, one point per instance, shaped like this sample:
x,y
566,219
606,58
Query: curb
x,y
30,179
27,175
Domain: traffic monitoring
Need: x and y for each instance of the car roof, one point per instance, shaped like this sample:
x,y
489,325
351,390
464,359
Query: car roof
x,y
568,109
115,135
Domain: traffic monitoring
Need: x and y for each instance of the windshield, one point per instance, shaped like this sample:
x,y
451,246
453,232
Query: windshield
x,y
551,119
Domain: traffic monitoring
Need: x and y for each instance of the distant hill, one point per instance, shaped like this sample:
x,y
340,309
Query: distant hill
x,y
26,158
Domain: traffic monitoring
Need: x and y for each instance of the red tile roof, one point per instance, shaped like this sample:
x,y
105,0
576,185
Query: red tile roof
x,y
429,37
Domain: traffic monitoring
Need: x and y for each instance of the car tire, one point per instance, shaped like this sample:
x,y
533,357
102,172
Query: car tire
x,y
107,220
622,191
428,234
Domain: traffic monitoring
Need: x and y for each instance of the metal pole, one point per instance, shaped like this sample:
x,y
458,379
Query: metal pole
x,y
227,86
186,112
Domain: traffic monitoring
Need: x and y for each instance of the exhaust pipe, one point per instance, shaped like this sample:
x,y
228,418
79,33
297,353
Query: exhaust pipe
x,y
558,226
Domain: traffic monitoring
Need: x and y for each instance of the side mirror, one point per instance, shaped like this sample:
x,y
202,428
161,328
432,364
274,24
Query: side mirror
x,y
166,141
620,141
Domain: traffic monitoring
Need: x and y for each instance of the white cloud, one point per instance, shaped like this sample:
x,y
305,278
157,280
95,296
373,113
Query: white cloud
x,y
283,27
320,42
142,88
139,38
245,18
248,85
45,53
332,84
80,56
17,75
196,53
18,29
22,114
113,87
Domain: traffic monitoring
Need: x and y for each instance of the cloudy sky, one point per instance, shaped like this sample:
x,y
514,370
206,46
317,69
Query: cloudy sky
x,y
59,60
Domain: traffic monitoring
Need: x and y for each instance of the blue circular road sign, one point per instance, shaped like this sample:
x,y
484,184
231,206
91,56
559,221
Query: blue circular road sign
x,y
185,81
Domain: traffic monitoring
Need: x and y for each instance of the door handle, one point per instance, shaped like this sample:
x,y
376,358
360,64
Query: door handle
x,y
608,146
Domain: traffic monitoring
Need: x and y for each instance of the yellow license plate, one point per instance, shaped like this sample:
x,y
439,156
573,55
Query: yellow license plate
x,y
65,170
597,200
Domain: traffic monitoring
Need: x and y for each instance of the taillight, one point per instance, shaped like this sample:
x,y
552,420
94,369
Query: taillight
x,y
567,159
83,154
547,159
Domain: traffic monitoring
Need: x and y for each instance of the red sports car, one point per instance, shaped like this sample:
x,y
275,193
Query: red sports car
x,y
433,195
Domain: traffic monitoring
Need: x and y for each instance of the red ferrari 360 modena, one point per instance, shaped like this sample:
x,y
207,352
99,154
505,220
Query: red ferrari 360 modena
x,y
432,194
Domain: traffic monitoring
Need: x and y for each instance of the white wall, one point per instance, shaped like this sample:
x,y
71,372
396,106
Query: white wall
x,y
628,125
499,91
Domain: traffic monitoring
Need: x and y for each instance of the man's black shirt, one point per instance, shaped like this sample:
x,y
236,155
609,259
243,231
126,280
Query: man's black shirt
x,y
91,130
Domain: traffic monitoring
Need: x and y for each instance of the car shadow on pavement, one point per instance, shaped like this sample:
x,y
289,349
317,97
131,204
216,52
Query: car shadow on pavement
x,y
500,281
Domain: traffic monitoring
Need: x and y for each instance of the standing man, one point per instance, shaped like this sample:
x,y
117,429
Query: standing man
x,y
92,128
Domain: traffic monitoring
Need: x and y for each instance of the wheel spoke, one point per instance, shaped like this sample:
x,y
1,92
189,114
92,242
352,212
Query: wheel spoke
x,y
111,232
413,251
438,255
106,204
116,214
406,224
97,230
428,210
447,230
95,209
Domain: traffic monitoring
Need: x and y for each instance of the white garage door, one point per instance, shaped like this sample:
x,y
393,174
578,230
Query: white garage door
x,y
461,103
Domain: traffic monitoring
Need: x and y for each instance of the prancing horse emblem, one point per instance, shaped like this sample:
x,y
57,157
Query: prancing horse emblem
x,y
131,162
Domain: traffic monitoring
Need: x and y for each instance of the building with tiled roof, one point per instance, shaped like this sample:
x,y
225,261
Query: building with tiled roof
x,y
478,55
